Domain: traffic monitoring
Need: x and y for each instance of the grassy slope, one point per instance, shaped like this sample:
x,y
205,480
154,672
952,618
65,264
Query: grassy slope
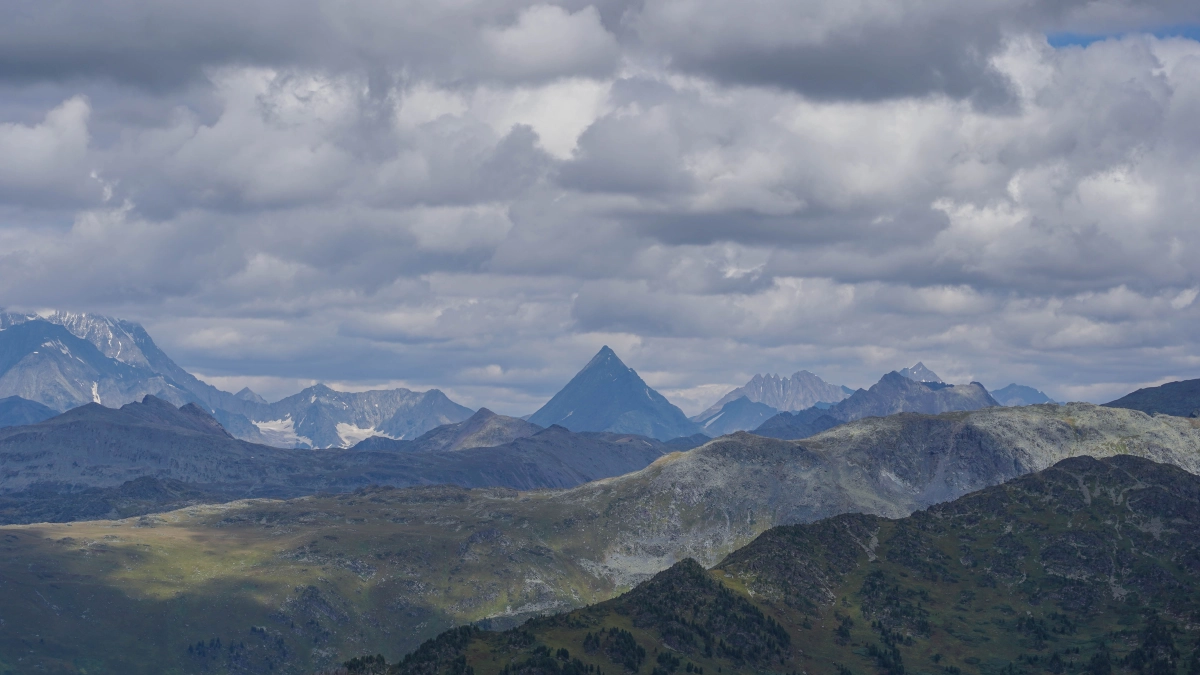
x,y
1089,567
381,570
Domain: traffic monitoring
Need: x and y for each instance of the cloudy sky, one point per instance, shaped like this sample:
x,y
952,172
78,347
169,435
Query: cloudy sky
x,y
478,194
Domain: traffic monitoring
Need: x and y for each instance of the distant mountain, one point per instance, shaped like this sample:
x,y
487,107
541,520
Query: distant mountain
x,y
1181,399
607,395
484,429
920,373
247,394
44,362
802,390
80,456
66,359
737,415
16,411
1016,394
323,418
894,393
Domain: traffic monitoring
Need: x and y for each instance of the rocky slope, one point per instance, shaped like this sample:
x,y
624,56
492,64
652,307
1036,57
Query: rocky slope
x,y
607,395
16,411
1089,566
801,390
1173,398
894,393
380,570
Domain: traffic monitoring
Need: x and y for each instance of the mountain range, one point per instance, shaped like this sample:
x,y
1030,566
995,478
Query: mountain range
x,y
65,360
801,390
81,456
894,393
382,569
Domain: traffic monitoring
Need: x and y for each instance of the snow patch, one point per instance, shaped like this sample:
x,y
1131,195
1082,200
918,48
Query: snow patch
x,y
95,392
282,433
351,434
714,419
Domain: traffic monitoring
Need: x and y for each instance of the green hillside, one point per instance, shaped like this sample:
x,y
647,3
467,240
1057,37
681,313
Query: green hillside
x,y
1088,567
300,585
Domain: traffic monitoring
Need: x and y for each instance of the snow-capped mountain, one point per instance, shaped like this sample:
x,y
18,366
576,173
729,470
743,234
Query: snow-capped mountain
x,y
64,360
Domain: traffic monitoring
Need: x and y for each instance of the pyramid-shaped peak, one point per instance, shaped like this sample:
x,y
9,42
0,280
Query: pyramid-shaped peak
x,y
607,395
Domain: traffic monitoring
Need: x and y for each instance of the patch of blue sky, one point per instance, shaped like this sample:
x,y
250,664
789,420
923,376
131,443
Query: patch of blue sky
x,y
1066,39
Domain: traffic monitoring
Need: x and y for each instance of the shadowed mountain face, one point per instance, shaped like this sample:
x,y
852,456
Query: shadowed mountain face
x,y
484,429
16,411
66,360
93,449
1016,394
1068,570
737,415
798,392
607,395
1181,399
893,394
368,571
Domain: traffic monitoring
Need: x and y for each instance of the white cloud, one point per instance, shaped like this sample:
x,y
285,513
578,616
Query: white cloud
x,y
477,196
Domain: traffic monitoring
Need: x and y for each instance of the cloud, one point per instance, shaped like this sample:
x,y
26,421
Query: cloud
x,y
477,196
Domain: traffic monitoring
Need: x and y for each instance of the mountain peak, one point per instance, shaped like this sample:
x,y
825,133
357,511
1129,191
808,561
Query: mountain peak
x,y
801,391
607,395
920,373
606,358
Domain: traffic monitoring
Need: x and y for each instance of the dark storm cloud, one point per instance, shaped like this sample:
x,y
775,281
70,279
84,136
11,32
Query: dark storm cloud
x,y
166,43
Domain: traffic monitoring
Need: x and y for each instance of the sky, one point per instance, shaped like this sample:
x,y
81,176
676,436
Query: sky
x,y
476,195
